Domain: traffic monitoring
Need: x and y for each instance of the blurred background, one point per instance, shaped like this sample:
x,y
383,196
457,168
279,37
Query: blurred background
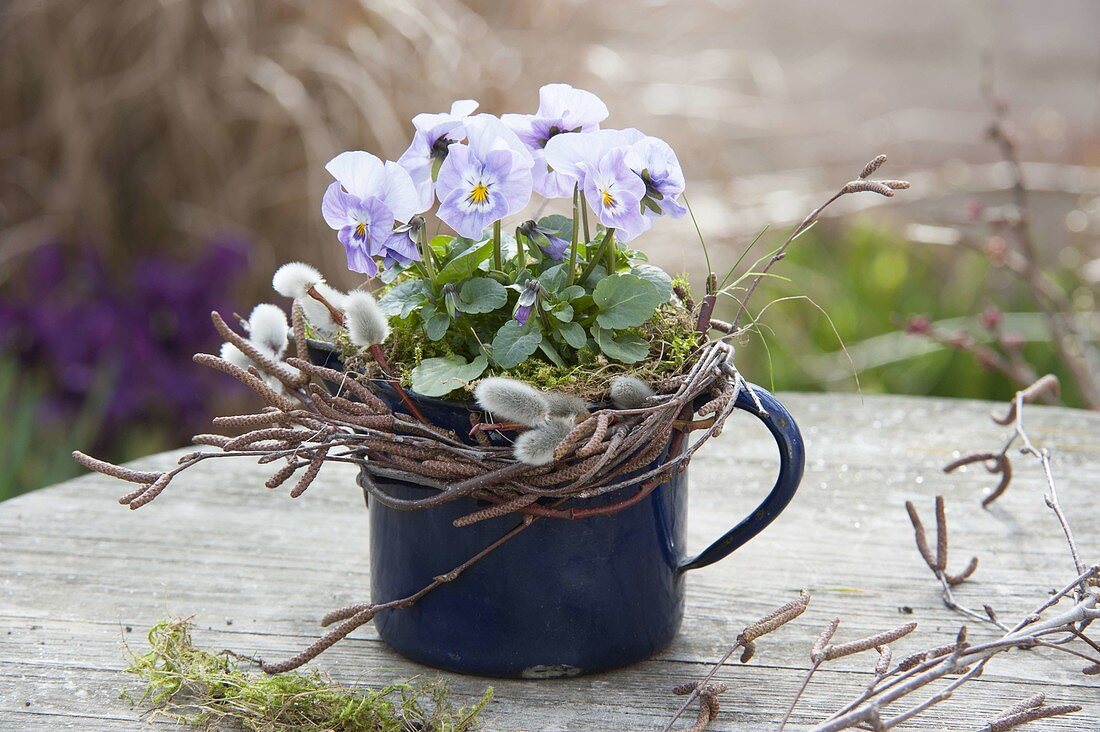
x,y
159,159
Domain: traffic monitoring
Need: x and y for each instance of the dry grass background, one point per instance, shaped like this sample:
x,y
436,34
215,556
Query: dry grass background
x,y
140,126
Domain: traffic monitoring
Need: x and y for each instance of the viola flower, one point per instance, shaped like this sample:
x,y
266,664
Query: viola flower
x,y
614,192
561,109
568,153
485,179
362,205
655,162
434,134
526,302
547,240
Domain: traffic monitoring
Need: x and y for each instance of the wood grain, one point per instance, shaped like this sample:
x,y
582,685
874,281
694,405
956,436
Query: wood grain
x,y
80,576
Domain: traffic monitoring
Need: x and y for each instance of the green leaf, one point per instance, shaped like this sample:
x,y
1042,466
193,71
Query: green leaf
x,y
403,299
562,225
563,312
657,276
552,353
574,334
571,293
436,377
554,278
435,324
481,295
464,265
625,300
625,347
513,343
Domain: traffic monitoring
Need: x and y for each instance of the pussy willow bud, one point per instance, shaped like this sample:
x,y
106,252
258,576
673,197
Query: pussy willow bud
x,y
512,401
536,446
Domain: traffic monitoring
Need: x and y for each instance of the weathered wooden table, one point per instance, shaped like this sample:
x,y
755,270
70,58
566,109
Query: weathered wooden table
x,y
257,570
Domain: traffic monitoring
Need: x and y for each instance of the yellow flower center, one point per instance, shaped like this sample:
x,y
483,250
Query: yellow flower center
x,y
480,193
361,230
608,199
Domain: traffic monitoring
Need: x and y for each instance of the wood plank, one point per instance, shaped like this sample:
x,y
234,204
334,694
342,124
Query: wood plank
x,y
76,569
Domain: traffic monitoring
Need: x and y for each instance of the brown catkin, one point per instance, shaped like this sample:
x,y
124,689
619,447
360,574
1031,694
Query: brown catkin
x,y
872,186
941,535
311,472
920,536
817,653
958,579
870,168
778,618
114,471
283,474
865,644
152,492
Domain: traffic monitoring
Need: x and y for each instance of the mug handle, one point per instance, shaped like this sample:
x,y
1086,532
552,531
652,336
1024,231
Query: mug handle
x,y
792,460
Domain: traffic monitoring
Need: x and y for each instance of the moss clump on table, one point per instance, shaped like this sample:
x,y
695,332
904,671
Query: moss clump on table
x,y
209,691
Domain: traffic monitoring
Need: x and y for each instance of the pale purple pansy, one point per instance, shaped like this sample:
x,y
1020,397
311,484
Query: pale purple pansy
x,y
362,205
569,152
561,109
484,179
654,160
434,134
614,192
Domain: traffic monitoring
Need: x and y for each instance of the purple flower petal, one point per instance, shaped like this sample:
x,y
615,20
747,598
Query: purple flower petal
x,y
417,160
575,108
335,205
567,152
360,173
400,194
614,192
522,314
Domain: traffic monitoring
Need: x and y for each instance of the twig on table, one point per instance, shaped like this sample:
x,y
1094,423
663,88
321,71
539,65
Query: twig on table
x,y
746,642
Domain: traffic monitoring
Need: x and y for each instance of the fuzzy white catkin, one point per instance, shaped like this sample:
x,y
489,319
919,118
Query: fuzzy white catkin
x,y
268,330
512,401
536,446
629,392
294,279
367,324
315,311
561,404
235,356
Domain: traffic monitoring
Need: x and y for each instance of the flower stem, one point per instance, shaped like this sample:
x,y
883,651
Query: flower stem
x,y
608,240
497,263
611,252
573,247
584,218
521,252
426,256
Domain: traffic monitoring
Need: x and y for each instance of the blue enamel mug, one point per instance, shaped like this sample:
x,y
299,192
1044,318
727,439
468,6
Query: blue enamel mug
x,y
563,597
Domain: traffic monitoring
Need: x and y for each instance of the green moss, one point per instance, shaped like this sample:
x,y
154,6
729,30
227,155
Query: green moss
x,y
198,688
671,334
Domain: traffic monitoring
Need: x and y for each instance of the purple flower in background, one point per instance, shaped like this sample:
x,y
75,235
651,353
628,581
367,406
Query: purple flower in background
x,y
614,192
113,345
484,180
526,302
362,205
654,160
561,109
434,134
